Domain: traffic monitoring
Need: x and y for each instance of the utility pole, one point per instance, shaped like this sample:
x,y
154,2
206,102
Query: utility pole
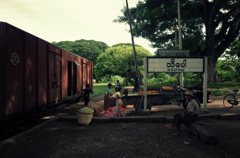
x,y
179,25
180,37
132,37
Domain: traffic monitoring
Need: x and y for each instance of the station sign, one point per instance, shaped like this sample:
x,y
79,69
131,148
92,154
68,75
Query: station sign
x,y
175,64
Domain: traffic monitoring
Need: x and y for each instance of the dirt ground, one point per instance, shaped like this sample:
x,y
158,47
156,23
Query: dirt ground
x,y
65,138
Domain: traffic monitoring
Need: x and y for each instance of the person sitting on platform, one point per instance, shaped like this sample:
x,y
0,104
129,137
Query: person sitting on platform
x,y
112,99
190,115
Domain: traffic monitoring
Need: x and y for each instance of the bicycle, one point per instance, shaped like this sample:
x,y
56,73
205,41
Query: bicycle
x,y
231,99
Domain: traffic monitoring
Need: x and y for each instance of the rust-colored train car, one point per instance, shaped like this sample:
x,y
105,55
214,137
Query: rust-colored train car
x,y
36,74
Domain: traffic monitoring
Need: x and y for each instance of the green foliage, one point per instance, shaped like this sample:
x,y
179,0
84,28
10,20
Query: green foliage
x,y
100,45
160,78
233,85
116,61
228,68
88,49
237,68
111,79
164,80
204,33
116,77
170,82
235,48
125,44
104,79
193,77
219,92
226,75
157,21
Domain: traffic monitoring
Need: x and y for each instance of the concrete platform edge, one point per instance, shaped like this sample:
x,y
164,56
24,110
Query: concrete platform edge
x,y
123,119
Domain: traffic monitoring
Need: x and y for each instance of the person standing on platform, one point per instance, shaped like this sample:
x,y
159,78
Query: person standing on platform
x,y
86,94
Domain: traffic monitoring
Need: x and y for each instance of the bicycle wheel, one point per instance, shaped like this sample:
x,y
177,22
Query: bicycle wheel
x,y
229,101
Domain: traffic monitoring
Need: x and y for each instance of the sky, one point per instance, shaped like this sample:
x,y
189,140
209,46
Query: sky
x,y
70,20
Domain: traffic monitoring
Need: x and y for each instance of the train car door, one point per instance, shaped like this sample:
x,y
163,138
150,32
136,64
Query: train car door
x,y
54,77
76,76
73,77
70,78
84,73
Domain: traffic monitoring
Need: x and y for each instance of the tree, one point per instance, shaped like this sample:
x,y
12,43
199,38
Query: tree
x,y
235,48
126,44
229,65
116,60
88,49
100,45
228,68
208,27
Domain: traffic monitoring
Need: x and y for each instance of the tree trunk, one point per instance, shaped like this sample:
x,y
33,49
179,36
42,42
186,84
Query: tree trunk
x,y
212,71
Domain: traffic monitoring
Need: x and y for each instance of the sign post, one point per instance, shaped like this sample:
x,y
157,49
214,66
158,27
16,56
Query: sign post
x,y
205,76
145,111
176,64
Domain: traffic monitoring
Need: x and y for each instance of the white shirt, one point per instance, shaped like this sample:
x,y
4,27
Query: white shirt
x,y
193,107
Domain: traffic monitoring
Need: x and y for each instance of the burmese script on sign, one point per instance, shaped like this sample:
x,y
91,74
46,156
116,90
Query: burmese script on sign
x,y
175,64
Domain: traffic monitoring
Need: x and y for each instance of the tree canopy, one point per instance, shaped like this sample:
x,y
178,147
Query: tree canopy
x,y
235,48
116,60
208,27
88,49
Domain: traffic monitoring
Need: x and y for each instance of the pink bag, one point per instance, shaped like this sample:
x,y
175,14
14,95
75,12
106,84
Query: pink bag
x,y
121,111
112,112
106,114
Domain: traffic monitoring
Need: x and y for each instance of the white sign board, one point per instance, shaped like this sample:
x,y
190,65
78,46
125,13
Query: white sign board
x,y
173,53
188,64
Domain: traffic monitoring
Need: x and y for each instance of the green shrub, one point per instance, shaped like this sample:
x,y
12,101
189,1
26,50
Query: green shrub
x,y
227,75
219,92
218,85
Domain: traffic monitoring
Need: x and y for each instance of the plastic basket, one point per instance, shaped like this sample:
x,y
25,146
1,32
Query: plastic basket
x,y
84,118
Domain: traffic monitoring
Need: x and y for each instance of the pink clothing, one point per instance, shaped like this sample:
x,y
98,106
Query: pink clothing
x,y
106,114
112,112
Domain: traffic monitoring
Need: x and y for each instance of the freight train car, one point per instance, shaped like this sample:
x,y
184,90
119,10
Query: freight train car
x,y
36,74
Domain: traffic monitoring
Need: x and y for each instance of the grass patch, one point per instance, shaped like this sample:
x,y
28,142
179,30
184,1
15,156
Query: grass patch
x,y
98,89
219,92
